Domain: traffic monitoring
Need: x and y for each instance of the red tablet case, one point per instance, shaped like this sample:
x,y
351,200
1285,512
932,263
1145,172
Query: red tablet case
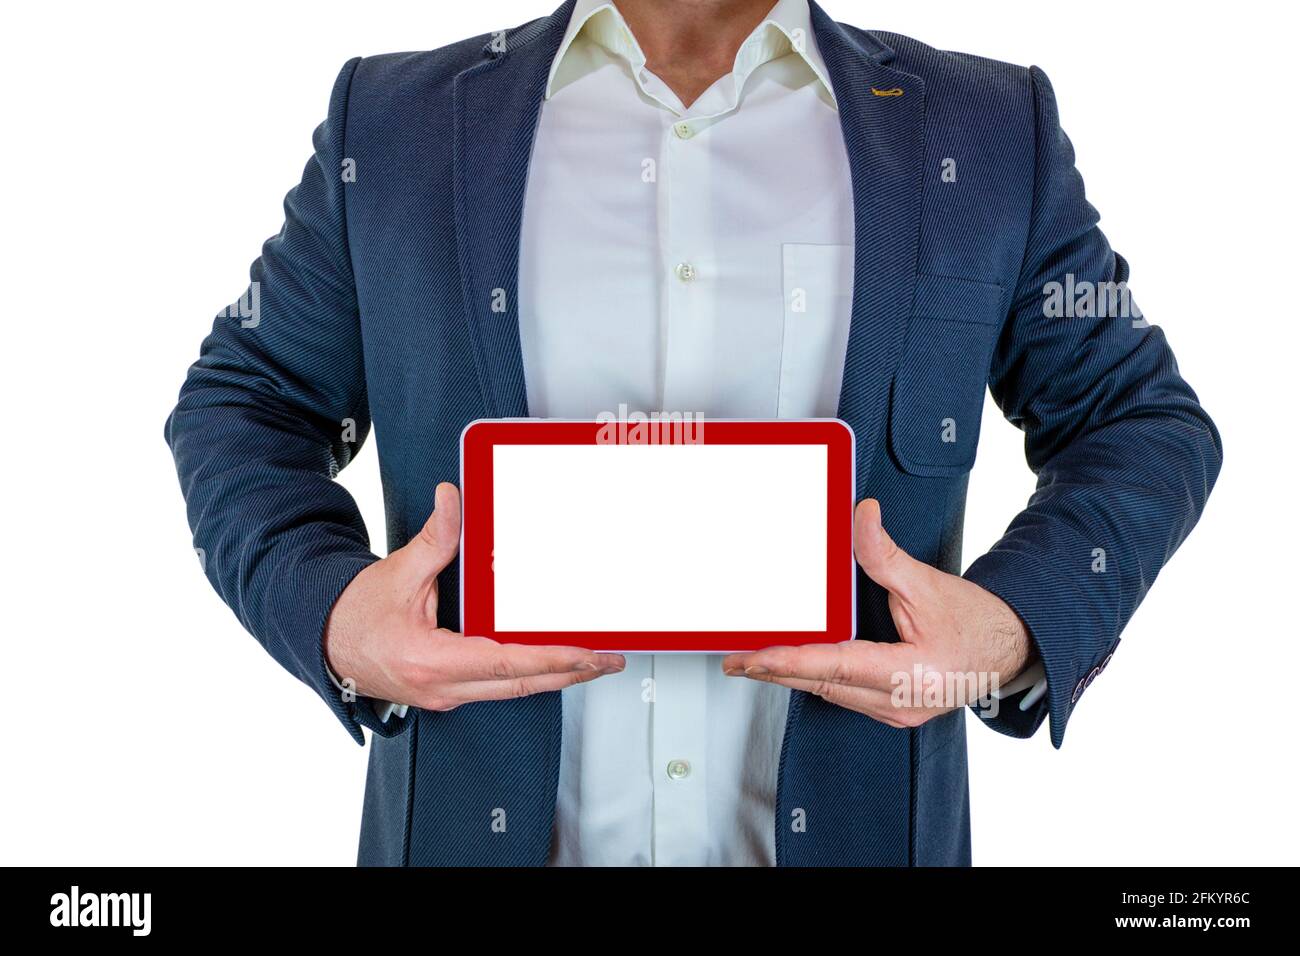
x,y
477,580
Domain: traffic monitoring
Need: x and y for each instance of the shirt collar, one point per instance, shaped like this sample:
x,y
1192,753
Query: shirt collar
x,y
786,28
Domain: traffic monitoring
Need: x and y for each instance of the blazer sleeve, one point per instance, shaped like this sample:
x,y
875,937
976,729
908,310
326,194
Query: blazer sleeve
x,y
1124,454
273,408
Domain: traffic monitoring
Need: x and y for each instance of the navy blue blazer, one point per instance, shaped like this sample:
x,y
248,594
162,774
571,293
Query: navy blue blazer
x,y
375,306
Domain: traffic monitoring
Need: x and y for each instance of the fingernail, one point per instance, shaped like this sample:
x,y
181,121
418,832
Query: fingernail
x,y
756,669
731,671
611,670
586,666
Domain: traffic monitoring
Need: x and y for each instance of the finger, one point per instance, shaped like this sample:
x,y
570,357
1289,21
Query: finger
x,y
883,561
865,700
470,691
876,704
480,659
430,551
859,663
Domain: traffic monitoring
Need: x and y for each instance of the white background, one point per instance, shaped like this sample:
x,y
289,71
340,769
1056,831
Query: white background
x,y
147,147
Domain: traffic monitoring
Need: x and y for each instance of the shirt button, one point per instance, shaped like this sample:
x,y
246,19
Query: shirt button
x,y
685,271
684,130
679,769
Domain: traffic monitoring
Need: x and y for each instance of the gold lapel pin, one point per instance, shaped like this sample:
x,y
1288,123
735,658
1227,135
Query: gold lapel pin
x,y
896,91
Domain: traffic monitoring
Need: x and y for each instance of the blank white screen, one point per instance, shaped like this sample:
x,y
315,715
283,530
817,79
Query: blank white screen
x,y
660,537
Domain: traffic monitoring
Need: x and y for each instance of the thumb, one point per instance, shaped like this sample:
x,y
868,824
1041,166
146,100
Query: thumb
x,y
438,541
883,561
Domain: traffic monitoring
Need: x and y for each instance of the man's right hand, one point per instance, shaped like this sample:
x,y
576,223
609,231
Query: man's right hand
x,y
383,633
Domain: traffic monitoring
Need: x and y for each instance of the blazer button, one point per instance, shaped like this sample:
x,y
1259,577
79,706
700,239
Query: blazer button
x,y
1078,689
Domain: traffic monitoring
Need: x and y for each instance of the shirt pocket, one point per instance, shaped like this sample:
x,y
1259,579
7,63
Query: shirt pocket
x,y
817,290
937,398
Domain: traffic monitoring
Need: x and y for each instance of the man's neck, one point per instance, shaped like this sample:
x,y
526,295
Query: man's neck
x,y
690,43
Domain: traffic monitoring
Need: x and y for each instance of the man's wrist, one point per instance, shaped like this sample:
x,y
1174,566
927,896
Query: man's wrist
x,y
1013,648
384,709
338,642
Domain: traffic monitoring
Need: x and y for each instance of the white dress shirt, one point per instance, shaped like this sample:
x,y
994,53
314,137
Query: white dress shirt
x,y
686,260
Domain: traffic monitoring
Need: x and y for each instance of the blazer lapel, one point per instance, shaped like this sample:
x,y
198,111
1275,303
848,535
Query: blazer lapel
x,y
497,103
882,114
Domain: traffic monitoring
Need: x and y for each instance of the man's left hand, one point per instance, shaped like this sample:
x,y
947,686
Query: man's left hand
x,y
949,630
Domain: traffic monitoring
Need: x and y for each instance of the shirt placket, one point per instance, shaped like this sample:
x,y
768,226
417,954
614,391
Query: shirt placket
x,y
680,711
688,264
680,769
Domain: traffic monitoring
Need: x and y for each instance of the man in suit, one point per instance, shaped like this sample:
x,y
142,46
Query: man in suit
x,y
621,205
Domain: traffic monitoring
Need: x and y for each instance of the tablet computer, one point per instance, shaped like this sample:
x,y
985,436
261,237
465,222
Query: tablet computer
x,y
658,535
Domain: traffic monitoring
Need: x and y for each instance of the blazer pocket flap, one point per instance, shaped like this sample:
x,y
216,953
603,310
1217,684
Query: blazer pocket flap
x,y
938,390
958,300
